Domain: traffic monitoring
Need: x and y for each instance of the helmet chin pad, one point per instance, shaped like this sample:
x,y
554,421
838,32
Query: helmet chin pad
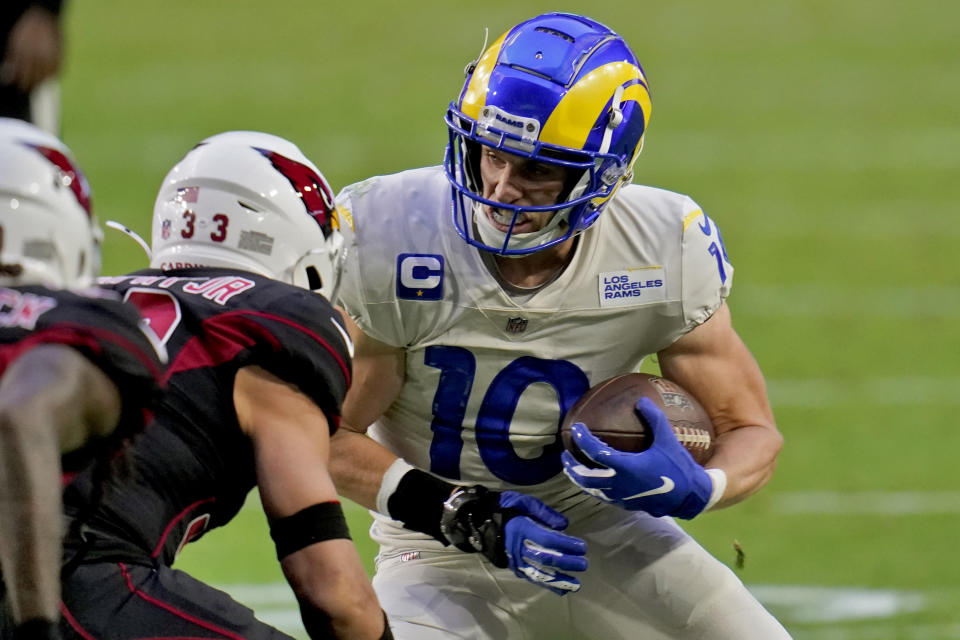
x,y
520,244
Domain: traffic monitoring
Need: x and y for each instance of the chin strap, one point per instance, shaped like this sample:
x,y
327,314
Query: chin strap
x,y
130,233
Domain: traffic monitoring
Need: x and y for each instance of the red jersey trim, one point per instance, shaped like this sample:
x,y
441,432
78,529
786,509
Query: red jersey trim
x,y
231,332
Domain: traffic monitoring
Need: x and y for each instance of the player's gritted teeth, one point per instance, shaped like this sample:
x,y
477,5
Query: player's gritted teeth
x,y
502,220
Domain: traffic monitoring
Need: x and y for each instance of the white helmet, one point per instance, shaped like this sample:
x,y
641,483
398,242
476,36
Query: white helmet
x,y
48,233
251,201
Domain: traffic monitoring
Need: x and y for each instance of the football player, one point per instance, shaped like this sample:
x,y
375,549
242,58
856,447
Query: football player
x,y
77,368
31,53
475,335
244,248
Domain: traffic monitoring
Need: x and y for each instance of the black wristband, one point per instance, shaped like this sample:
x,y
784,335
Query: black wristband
x,y
418,502
316,523
37,629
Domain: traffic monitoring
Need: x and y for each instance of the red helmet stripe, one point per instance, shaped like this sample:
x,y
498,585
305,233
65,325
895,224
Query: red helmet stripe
x,y
78,182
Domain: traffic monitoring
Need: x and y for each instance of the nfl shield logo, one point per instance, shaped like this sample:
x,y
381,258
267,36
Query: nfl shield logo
x,y
516,325
165,229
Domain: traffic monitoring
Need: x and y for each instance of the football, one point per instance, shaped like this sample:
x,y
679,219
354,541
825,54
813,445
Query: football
x,y
608,411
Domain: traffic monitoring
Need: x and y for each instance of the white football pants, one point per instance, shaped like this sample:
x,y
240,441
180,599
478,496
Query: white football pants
x,y
648,579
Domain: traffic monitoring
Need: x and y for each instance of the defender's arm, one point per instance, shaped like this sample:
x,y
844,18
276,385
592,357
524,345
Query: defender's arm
x,y
359,463
290,437
52,401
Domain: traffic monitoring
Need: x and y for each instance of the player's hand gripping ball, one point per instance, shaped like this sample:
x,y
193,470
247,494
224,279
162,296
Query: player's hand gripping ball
x,y
642,460
609,411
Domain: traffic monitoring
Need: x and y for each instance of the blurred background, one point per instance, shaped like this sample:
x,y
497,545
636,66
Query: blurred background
x,y
822,136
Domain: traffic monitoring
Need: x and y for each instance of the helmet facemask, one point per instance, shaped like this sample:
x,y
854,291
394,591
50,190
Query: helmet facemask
x,y
534,94
574,211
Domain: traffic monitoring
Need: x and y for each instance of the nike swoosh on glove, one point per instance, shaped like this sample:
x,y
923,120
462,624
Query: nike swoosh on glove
x,y
663,480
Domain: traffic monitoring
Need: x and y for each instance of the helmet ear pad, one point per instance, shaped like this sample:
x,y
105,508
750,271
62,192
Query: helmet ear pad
x,y
319,269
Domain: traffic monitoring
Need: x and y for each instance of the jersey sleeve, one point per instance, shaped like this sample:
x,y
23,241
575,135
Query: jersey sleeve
x,y
707,274
113,337
366,293
300,339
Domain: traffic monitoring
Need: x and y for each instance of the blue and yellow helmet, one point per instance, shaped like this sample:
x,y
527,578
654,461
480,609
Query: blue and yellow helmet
x,y
560,89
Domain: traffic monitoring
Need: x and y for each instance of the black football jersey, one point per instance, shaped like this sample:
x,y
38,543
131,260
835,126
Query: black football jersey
x,y
101,327
193,468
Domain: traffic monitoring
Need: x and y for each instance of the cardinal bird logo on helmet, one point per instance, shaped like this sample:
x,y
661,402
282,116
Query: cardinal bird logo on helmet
x,y
72,176
314,191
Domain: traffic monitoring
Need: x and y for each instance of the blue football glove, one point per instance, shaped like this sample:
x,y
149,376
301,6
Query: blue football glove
x,y
515,531
664,480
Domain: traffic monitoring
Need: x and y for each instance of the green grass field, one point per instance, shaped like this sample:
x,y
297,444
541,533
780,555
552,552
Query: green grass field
x,y
822,135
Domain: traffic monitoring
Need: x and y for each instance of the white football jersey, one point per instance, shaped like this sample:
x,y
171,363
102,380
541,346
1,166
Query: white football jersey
x,y
488,377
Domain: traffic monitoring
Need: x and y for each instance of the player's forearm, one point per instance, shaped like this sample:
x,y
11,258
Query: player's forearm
x,y
334,592
357,466
30,529
748,456
51,400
